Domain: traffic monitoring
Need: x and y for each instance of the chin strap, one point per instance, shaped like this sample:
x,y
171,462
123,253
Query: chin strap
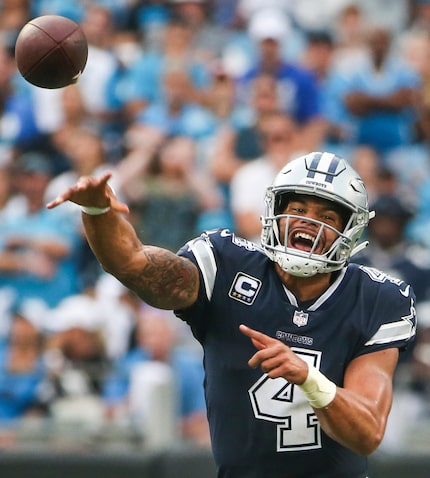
x,y
359,248
364,244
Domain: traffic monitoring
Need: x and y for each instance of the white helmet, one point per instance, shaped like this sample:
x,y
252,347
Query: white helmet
x,y
327,176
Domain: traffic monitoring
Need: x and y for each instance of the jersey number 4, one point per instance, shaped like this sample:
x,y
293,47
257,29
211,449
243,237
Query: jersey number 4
x,y
281,402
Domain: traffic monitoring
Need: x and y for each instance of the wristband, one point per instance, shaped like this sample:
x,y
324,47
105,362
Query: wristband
x,y
95,211
318,389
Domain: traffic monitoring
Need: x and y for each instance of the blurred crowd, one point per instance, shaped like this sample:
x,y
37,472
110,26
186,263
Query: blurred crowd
x,y
194,105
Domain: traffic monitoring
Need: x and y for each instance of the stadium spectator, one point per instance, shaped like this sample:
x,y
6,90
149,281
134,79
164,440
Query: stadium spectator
x,y
172,190
22,373
37,256
18,128
278,134
381,97
76,360
208,37
86,155
142,82
220,95
15,14
318,53
156,341
118,307
297,86
248,305
410,162
391,250
366,161
149,20
102,71
318,57
238,142
349,34
177,112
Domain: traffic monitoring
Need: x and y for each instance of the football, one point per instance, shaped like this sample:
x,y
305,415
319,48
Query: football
x,y
51,51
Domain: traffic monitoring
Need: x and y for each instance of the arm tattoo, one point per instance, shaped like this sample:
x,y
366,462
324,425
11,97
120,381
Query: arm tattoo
x,y
166,281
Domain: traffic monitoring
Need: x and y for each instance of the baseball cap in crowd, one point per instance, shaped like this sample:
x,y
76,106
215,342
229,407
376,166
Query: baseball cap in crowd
x,y
33,163
269,23
75,311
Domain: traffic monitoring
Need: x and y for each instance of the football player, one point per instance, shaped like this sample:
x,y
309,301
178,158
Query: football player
x,y
299,345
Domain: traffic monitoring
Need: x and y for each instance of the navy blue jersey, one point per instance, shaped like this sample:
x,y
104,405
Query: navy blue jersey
x,y
262,427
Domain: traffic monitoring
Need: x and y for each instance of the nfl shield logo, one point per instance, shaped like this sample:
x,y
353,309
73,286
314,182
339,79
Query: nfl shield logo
x,y
300,318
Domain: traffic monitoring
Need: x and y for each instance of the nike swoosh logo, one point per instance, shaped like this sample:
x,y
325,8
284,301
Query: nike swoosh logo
x,y
405,292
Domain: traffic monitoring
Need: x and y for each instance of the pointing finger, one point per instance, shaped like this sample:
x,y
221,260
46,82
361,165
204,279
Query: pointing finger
x,y
259,339
57,201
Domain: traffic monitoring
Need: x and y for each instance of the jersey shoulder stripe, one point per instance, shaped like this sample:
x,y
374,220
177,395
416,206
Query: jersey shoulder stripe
x,y
403,329
205,258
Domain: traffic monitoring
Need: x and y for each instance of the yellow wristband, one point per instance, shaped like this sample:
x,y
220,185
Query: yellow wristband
x,y
318,389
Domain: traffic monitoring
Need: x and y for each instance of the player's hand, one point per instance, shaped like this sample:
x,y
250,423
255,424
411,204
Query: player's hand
x,y
91,192
275,358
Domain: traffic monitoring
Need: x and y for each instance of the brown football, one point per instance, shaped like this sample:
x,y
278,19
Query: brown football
x,y
51,51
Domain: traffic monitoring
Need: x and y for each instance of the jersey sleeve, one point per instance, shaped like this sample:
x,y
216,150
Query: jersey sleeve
x,y
392,314
201,251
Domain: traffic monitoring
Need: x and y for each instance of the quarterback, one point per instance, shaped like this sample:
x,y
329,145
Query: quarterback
x,y
300,345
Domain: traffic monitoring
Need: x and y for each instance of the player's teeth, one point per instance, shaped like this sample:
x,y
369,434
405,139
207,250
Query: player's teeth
x,y
302,235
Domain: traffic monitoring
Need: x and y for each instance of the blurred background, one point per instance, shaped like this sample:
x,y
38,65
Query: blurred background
x,y
194,105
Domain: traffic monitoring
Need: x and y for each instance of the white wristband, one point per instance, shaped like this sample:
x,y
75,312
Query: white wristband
x,y
95,211
318,389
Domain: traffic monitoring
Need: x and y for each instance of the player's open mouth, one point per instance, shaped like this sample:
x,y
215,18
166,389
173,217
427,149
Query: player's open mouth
x,y
303,241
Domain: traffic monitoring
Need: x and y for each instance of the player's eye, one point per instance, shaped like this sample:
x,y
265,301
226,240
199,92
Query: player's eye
x,y
331,218
295,209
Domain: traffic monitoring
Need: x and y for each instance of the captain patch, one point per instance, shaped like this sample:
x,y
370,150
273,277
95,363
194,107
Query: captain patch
x,y
244,288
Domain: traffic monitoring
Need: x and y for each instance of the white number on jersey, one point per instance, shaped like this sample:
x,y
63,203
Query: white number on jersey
x,y
283,403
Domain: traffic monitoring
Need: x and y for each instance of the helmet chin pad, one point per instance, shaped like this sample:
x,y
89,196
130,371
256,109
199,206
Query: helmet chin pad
x,y
297,264
300,267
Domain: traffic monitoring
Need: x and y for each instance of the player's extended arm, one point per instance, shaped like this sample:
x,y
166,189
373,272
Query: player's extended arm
x,y
158,276
356,415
